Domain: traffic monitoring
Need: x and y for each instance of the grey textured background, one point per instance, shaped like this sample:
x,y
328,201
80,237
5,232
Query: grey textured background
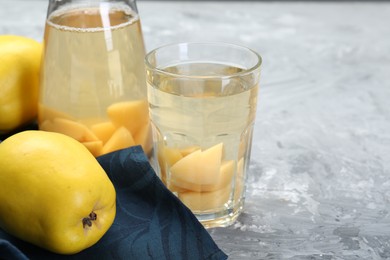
x,y
320,172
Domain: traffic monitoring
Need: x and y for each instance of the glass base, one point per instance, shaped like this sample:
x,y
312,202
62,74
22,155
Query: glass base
x,y
220,219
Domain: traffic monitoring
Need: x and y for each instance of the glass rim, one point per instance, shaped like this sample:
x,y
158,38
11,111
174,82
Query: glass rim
x,y
177,75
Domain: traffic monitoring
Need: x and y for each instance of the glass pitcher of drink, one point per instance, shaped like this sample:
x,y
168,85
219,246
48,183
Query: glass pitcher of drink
x,y
93,77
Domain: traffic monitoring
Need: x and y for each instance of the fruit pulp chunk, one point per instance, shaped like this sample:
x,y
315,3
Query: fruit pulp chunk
x,y
132,114
202,179
203,201
129,126
68,127
47,113
199,168
121,139
103,130
95,147
144,138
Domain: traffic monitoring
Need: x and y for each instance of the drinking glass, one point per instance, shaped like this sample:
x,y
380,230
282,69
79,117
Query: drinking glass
x,y
202,101
93,84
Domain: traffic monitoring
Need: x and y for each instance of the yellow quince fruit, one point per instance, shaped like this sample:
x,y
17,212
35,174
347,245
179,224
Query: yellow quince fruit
x,y
20,60
53,192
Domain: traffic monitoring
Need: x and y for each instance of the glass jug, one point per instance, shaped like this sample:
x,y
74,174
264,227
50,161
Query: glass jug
x,y
93,76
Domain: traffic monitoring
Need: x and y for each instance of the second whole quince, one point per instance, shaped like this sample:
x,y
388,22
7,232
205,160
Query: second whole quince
x,y
20,60
53,192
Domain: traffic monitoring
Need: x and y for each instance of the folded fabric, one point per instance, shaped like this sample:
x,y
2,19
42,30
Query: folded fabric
x,y
151,223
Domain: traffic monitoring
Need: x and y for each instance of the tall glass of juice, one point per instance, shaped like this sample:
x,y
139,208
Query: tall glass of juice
x,y
202,99
93,75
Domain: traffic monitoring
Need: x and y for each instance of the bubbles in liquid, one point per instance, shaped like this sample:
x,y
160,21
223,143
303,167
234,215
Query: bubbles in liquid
x,y
86,18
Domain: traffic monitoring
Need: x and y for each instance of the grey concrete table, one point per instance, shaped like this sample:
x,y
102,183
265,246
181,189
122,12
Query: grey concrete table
x,y
320,172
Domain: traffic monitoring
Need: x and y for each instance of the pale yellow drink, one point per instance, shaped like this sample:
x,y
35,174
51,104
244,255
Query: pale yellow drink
x,y
94,77
203,127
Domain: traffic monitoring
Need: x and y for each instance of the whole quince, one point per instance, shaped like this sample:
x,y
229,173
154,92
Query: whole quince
x,y
53,192
20,60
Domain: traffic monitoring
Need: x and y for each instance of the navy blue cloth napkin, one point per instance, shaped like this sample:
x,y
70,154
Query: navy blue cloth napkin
x,y
151,223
